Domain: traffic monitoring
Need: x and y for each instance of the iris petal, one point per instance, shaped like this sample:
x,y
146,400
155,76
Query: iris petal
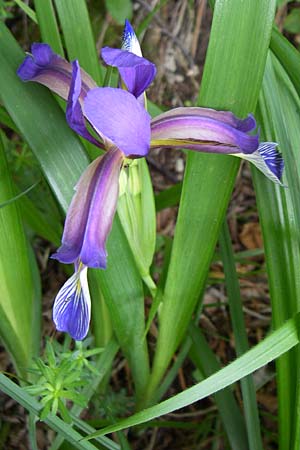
x,y
72,306
268,160
136,72
130,41
117,115
227,117
46,67
201,133
90,215
74,112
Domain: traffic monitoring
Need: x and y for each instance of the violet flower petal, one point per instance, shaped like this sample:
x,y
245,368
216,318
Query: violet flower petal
x,y
136,72
46,67
90,216
74,113
200,133
130,41
72,306
227,117
117,115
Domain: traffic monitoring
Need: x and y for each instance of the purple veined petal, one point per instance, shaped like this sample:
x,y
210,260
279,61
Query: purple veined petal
x,y
245,125
74,112
136,72
90,216
268,160
102,210
118,117
202,134
46,67
72,306
130,41
77,215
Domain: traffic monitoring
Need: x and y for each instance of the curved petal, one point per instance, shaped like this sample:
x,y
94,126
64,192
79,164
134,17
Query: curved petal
x,y
136,72
74,112
72,306
245,125
130,41
46,67
268,160
90,216
201,133
77,215
116,115
102,210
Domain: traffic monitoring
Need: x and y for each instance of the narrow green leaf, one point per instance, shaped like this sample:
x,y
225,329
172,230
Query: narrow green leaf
x,y
231,80
17,290
205,360
240,337
274,345
27,10
279,217
77,30
48,24
287,55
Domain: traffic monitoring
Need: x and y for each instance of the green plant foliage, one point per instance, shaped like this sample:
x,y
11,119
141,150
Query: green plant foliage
x,y
20,318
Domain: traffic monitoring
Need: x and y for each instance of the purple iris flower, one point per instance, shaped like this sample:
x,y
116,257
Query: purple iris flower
x,y
122,127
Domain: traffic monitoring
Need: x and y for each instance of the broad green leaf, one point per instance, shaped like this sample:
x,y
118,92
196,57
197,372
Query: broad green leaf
x,y
274,345
231,80
119,10
17,294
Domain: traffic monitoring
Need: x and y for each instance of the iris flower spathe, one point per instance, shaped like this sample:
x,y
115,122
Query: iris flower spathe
x,y
124,129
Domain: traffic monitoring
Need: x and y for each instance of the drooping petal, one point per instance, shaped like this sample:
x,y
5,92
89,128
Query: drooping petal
x,y
268,160
74,112
77,215
130,41
102,210
116,115
245,125
72,306
46,67
202,133
90,215
136,72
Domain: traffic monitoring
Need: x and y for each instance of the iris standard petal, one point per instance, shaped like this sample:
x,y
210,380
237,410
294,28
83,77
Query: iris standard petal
x,y
74,113
136,72
116,115
46,67
72,306
130,41
268,160
201,133
245,125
